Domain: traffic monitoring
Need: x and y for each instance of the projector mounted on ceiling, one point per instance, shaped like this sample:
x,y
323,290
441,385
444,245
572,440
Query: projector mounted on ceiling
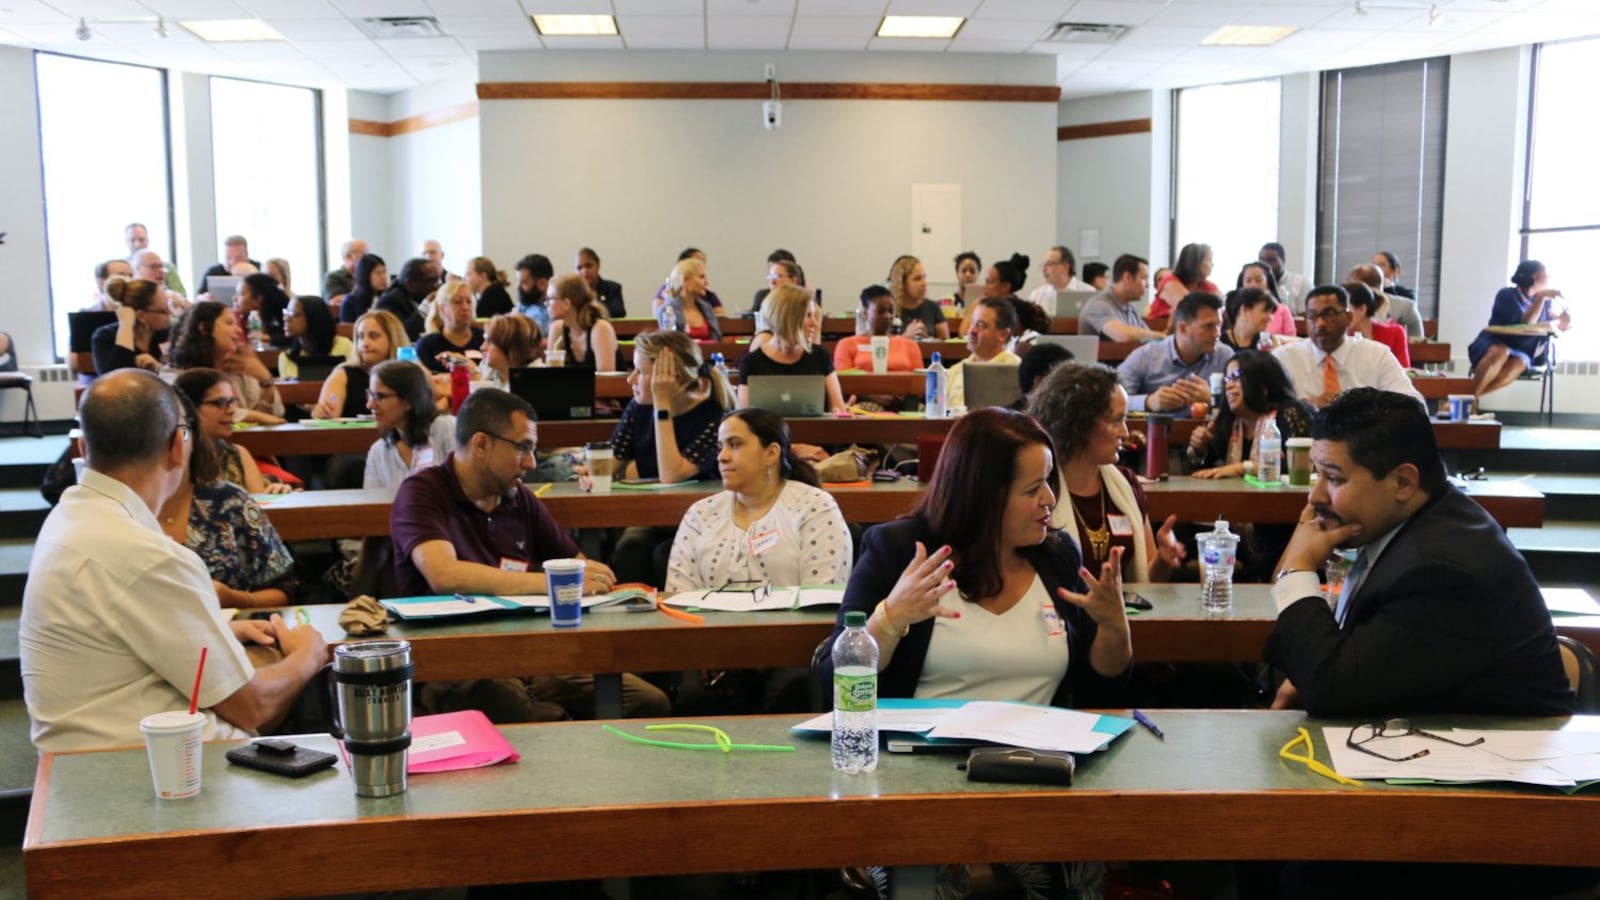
x,y
387,27
1085,33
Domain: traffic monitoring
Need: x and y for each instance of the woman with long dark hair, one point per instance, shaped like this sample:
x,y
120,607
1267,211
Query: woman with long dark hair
x,y
1191,273
312,333
372,279
1257,390
208,338
414,434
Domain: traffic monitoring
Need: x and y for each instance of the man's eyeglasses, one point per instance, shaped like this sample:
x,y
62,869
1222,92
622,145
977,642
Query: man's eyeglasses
x,y
523,448
183,429
1326,313
222,403
1369,732
759,591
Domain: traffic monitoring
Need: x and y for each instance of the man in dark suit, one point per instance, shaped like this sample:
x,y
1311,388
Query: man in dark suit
x,y
1440,614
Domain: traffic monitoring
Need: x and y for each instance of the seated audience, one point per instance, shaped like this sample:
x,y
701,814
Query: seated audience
x,y
1499,359
919,318
278,268
214,401
433,252
311,331
1389,265
138,238
216,518
1170,375
341,281
1246,315
781,269
787,312
1398,310
414,434
260,294
1439,615
419,278
1292,287
467,525
371,279
772,524
534,272
111,268
1097,275
488,285
208,338
1037,362
685,304
147,264
1111,313
587,264
1191,273
1365,311
1103,509
1257,275
114,613
662,295
1328,362
1003,281
451,334
1060,275
378,337
235,251
855,352
992,323
134,340
578,325
969,269
510,341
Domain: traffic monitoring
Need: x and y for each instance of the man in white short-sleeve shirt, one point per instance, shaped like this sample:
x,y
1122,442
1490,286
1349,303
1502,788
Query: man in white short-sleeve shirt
x,y
115,613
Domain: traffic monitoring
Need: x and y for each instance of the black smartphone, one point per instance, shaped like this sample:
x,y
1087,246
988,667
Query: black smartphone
x,y
280,758
1136,601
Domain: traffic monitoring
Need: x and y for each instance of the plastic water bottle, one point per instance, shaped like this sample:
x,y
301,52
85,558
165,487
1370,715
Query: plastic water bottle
x,y
934,401
1269,451
721,365
460,385
855,697
1217,548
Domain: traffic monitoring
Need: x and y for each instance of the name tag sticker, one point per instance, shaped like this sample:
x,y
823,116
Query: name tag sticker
x,y
1052,619
507,564
761,543
1121,526
421,457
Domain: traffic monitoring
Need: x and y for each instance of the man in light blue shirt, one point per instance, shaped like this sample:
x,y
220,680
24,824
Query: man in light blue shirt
x,y
1169,375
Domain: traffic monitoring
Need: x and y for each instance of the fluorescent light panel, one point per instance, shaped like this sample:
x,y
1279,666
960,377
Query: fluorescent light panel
x,y
920,26
221,31
581,26
1248,35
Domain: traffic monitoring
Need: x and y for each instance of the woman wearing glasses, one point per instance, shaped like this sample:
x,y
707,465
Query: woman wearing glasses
x,y
414,433
215,402
772,525
215,517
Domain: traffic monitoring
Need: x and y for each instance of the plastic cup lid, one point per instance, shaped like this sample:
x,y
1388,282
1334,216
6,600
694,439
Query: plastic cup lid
x,y
175,720
564,566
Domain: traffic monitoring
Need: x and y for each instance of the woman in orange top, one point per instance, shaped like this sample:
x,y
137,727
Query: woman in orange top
x,y
877,306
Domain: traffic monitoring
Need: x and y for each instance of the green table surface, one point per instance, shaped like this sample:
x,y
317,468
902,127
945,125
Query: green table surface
x,y
585,803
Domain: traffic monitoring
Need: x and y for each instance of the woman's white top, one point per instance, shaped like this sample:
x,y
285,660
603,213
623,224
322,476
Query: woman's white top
x,y
802,539
385,468
1019,655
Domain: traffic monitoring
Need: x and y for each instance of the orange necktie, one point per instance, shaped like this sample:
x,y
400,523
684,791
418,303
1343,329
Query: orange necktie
x,y
1330,375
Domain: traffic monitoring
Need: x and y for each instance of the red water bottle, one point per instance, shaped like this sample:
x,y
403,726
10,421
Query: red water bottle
x,y
460,385
1156,457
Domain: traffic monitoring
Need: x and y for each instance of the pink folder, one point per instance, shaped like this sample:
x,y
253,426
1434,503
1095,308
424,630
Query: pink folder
x,y
458,740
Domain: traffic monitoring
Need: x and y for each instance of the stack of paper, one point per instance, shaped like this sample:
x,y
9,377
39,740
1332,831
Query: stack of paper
x,y
993,722
1570,602
458,740
758,601
1562,759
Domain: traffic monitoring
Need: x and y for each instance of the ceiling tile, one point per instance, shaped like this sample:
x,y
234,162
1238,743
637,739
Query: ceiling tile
x,y
420,47
926,45
1285,14
1211,15
1456,21
195,9
104,9
1004,30
932,7
575,7
292,9
1052,10
363,49
1322,39
1540,25
360,9
979,45
487,26
1114,12
842,7
365,67
750,7
439,68
656,42
1167,36
1377,18
29,11
598,42
827,43
530,41
633,7
834,27
748,26
259,50
1078,53
647,27
475,8
317,29
747,42
1219,55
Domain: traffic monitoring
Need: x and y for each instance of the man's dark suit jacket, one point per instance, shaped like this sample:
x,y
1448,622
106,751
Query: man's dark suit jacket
x,y
1449,620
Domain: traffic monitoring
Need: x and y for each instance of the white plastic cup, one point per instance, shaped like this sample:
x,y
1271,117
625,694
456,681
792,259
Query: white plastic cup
x,y
880,353
79,464
172,740
555,357
602,464
1460,407
564,581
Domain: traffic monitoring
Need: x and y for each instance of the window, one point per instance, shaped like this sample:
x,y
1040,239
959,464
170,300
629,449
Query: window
x,y
266,148
1382,182
1227,172
1560,213
103,138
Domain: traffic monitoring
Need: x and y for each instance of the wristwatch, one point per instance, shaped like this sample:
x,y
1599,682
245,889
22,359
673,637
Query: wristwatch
x,y
663,415
1285,573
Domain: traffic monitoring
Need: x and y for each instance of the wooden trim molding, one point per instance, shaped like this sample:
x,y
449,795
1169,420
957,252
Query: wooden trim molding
x,y
1102,129
734,90
420,122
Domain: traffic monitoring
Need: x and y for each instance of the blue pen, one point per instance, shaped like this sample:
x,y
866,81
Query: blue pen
x,y
1144,720
465,599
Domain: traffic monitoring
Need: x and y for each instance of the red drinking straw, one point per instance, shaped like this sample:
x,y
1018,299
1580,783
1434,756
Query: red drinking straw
x,y
194,695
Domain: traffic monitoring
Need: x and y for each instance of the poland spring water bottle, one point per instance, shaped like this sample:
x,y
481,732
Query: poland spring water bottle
x,y
855,697
1269,451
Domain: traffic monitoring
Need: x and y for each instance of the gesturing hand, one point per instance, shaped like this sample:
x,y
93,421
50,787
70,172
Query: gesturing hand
x,y
1103,601
915,597
1169,548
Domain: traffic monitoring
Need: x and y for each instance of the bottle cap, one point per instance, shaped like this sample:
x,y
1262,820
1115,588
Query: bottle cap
x,y
935,357
855,619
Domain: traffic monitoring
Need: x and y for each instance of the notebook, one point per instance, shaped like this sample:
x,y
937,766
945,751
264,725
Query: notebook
x,y
990,384
789,395
556,393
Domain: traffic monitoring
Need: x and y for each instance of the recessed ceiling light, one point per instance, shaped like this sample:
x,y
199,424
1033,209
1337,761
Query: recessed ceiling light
x,y
1248,35
920,26
582,26
219,31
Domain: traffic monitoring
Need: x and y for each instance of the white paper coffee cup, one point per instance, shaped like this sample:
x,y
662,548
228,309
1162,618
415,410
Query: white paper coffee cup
x,y
880,353
172,740
602,464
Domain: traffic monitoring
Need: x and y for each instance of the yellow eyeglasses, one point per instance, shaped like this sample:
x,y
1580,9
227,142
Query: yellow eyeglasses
x,y
1310,758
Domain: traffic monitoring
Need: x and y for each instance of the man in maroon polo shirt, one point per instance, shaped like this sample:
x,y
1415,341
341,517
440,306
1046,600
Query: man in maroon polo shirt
x,y
468,526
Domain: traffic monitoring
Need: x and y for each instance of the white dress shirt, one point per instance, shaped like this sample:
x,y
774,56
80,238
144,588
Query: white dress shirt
x,y
1360,363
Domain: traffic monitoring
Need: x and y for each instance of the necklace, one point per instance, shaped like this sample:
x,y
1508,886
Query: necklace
x,y
1099,538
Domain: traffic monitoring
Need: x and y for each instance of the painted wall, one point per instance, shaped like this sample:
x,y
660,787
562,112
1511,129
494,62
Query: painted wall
x,y
640,180
371,188
1105,183
436,187
24,275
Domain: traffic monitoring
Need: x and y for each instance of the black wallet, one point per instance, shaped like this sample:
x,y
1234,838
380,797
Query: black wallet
x,y
280,758
1017,765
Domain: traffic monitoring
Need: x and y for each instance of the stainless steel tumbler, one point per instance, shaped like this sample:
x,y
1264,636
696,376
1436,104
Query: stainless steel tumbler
x,y
372,687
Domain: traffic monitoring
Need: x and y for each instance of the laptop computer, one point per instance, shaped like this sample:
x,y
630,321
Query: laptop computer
x,y
81,326
990,384
971,294
222,287
1070,303
789,395
556,393
317,368
1085,348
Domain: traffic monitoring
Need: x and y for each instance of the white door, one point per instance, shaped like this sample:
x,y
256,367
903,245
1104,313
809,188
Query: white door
x,y
936,233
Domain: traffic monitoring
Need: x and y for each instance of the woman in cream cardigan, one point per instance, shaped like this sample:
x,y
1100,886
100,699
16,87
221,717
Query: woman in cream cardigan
x,y
1085,411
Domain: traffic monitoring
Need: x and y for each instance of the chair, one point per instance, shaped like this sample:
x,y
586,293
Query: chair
x,y
820,701
1545,374
1583,670
11,379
